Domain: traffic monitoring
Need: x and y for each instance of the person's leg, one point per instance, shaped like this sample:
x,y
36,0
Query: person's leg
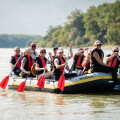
x,y
57,76
17,72
108,69
68,75
48,74
31,75
39,75
24,75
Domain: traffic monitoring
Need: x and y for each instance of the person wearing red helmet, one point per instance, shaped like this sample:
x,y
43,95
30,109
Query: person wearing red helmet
x,y
34,54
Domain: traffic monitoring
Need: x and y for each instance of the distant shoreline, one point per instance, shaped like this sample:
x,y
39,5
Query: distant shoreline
x,y
104,47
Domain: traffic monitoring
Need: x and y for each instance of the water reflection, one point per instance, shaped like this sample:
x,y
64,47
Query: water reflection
x,y
46,106
40,98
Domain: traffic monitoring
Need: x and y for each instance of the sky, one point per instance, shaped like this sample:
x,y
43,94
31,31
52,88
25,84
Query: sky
x,y
34,17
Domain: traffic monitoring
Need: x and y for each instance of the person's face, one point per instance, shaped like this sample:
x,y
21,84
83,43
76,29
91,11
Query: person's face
x,y
43,53
116,51
81,53
55,52
98,46
33,48
29,53
61,54
17,52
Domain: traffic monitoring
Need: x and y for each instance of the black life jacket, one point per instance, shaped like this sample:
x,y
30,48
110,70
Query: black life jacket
x,y
75,61
60,70
28,63
94,62
42,64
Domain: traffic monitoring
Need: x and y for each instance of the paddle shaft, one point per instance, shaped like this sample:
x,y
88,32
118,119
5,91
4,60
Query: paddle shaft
x,y
44,71
65,65
15,64
118,58
46,65
66,60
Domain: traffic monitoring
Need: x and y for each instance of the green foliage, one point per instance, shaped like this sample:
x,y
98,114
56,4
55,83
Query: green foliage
x,y
81,29
10,41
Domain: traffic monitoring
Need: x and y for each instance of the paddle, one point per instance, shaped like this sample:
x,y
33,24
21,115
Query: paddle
x,y
21,87
41,80
118,58
4,82
61,81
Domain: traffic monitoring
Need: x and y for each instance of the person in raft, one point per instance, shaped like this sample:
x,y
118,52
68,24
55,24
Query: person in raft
x,y
40,65
27,63
59,64
78,60
97,64
52,58
86,63
113,59
34,53
14,59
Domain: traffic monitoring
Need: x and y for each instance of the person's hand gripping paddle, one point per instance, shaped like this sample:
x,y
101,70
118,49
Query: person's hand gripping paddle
x,y
61,81
41,80
4,82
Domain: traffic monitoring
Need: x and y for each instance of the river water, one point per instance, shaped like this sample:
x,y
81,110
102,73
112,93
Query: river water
x,y
47,106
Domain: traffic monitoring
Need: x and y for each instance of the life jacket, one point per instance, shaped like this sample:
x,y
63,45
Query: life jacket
x,y
113,62
79,62
28,63
43,61
94,62
42,64
19,62
61,61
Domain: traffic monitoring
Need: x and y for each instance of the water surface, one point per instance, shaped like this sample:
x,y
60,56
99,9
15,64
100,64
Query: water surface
x,y
46,106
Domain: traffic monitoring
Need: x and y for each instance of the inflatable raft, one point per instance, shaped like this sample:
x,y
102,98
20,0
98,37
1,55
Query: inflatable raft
x,y
94,82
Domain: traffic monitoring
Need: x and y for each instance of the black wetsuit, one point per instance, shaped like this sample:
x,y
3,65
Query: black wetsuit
x,y
96,67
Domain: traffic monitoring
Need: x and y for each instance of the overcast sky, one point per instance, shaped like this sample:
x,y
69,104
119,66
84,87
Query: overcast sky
x,y
35,16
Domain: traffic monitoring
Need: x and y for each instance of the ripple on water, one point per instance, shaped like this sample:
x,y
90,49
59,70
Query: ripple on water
x,y
47,106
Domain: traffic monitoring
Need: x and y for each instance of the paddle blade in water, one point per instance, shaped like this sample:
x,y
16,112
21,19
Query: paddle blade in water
x,y
4,82
21,87
61,82
41,82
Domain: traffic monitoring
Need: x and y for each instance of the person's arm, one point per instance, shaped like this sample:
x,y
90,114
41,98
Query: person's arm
x,y
111,57
22,68
13,66
39,69
12,62
71,52
67,67
79,52
57,65
51,58
96,56
85,62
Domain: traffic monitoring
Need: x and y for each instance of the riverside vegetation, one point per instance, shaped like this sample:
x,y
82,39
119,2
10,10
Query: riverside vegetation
x,y
81,29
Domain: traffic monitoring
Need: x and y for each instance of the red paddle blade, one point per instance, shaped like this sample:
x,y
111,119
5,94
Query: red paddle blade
x,y
21,87
61,82
4,82
41,82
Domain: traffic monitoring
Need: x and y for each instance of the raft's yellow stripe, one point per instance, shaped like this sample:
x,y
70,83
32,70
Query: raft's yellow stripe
x,y
71,83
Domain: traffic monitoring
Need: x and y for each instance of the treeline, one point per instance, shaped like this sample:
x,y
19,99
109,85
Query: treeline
x,y
10,41
81,29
